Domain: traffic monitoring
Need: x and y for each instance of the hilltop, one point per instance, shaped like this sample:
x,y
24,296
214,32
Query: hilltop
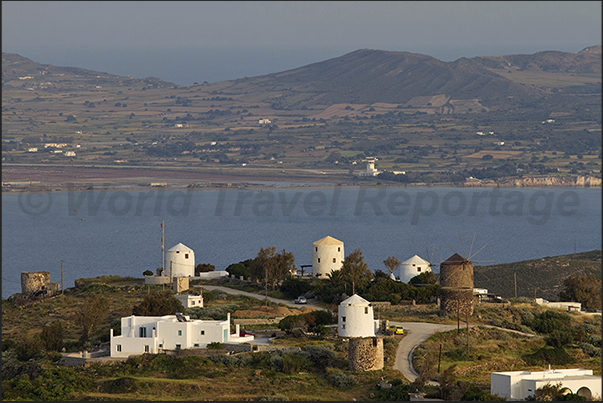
x,y
496,118
537,277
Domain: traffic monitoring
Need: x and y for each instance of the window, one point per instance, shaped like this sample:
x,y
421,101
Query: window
x,y
202,332
186,255
375,342
179,332
160,344
316,248
146,348
142,331
366,309
318,260
178,346
339,249
118,348
193,302
419,269
343,326
334,260
196,345
343,318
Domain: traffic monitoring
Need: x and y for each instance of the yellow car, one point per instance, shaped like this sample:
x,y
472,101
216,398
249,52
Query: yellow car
x,y
399,330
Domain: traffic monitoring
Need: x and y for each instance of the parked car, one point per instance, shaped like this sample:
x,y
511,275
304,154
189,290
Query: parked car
x,y
399,330
244,333
301,300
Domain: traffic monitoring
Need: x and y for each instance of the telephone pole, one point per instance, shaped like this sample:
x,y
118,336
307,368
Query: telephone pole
x,y
163,249
62,289
515,281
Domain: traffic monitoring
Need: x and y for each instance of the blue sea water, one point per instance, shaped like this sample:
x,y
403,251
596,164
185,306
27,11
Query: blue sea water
x,y
119,232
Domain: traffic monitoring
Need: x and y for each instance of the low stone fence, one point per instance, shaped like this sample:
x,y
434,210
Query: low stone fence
x,y
257,321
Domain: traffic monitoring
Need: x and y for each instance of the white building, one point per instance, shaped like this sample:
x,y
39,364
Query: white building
x,y
355,318
180,259
153,334
413,267
370,168
264,121
70,154
568,306
518,385
190,301
327,255
32,150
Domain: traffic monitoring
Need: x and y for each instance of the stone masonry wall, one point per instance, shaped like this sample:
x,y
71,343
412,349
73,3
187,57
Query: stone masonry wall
x,y
365,353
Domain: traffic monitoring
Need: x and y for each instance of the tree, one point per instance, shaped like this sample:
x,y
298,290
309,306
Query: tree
x,y
356,270
52,336
270,268
91,313
585,289
239,269
392,263
426,277
204,268
147,273
158,304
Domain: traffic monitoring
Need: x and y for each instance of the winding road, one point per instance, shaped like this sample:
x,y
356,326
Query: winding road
x,y
416,332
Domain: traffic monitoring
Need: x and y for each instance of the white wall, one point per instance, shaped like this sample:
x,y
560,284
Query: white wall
x,y
326,258
169,333
358,322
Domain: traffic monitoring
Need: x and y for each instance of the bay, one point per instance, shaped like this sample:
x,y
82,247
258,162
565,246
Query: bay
x,y
119,232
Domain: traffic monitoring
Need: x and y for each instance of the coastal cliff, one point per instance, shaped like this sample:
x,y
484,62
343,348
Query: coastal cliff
x,y
544,181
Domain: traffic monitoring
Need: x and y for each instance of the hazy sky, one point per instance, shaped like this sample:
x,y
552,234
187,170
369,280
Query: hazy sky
x,y
213,41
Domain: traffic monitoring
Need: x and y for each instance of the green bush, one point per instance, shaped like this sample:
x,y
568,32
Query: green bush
x,y
549,355
214,345
341,380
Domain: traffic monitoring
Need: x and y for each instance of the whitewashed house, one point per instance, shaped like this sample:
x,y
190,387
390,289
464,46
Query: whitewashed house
x,y
568,306
180,261
190,301
413,267
518,385
264,121
153,334
327,255
356,318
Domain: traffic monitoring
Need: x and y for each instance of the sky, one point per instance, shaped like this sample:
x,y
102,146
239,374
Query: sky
x,y
185,42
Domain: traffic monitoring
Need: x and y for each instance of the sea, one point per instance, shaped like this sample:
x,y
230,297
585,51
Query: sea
x,y
121,232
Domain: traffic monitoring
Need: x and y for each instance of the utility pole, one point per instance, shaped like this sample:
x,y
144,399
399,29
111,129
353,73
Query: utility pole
x,y
62,289
439,358
515,281
163,248
467,312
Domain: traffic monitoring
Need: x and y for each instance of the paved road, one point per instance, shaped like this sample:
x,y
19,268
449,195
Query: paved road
x,y
416,333
258,296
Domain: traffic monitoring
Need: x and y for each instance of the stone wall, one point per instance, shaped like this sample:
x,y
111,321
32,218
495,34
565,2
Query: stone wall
x,y
35,282
456,301
365,353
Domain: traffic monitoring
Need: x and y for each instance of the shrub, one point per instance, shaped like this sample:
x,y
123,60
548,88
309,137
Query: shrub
x,y
214,345
549,355
27,347
341,380
321,356
52,336
590,350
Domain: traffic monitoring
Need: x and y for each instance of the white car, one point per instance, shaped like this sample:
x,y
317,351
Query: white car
x,y
301,300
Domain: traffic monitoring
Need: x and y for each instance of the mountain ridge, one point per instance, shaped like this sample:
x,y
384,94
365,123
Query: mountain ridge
x,y
370,75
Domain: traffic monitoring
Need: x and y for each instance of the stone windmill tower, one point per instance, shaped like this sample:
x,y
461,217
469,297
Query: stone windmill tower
x,y
356,322
456,279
